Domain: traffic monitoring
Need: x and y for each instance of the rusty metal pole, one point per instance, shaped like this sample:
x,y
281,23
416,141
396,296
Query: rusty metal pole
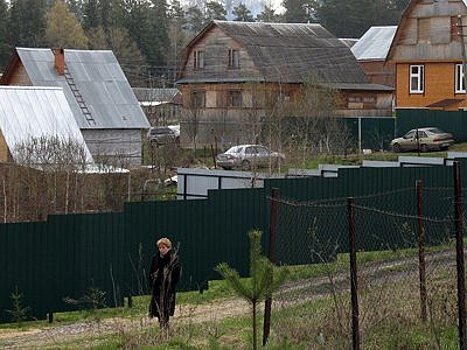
x,y
421,250
271,256
353,273
458,217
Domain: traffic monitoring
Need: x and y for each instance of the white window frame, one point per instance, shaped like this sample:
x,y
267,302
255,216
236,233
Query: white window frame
x,y
459,87
198,59
419,77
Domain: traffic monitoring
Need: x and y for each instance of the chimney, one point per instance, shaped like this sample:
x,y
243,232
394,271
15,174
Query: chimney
x,y
59,64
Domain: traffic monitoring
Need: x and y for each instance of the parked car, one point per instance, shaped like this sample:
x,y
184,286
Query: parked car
x,y
162,135
248,156
423,139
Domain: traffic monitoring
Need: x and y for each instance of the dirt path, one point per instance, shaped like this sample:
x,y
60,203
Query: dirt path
x,y
54,335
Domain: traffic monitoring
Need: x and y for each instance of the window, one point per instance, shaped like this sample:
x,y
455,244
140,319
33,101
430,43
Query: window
x,y
417,78
198,99
234,59
198,59
460,87
235,98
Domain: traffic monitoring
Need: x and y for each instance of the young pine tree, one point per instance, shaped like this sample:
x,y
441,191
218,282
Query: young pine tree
x,y
263,281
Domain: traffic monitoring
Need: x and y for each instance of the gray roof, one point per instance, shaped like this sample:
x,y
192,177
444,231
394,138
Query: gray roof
x,y
374,44
155,95
290,52
100,81
34,112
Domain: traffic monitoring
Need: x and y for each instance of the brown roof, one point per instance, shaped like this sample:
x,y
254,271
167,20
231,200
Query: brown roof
x,y
290,52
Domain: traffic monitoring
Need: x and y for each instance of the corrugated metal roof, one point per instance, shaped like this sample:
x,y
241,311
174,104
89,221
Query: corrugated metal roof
x,y
155,95
36,112
291,52
374,44
100,81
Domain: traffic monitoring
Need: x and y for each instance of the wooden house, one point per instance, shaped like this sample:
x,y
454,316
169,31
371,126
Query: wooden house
x,y
371,51
232,71
428,53
98,93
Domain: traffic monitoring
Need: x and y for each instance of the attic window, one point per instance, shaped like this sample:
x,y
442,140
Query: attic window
x,y
198,59
234,59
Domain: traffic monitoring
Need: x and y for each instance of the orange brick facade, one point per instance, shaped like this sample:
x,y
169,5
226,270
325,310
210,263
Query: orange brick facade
x,y
439,85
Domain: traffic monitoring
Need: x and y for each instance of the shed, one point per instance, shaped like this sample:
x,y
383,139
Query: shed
x,y
28,113
98,93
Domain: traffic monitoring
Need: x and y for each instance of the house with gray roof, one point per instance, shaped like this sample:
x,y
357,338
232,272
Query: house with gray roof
x,y
37,114
162,106
98,93
371,51
232,72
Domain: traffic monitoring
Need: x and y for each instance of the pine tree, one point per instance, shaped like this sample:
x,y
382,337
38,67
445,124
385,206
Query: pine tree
x,y
63,29
159,33
26,22
295,11
242,13
4,45
195,19
268,15
263,281
215,11
90,14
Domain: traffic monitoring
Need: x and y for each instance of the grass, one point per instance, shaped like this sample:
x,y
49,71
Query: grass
x,y
387,310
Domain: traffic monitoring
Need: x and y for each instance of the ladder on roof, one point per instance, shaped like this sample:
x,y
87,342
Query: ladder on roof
x,y
79,98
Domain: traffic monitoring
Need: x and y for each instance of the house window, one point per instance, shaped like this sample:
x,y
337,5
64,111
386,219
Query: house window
x,y
417,75
235,98
198,59
460,87
198,99
234,59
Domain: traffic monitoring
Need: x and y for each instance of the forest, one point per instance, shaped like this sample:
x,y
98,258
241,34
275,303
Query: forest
x,y
148,36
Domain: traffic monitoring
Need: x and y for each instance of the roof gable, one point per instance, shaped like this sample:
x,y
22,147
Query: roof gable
x,y
100,81
426,31
289,52
37,112
374,44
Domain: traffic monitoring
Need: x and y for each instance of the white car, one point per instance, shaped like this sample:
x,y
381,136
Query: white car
x,y
247,157
423,139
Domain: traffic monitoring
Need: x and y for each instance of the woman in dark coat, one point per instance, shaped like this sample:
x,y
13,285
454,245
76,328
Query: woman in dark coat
x,y
165,274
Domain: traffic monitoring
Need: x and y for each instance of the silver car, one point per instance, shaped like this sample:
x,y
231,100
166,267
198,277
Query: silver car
x,y
423,139
163,135
247,157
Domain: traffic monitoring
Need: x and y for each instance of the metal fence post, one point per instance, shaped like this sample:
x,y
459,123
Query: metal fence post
x,y
271,256
421,250
458,217
353,273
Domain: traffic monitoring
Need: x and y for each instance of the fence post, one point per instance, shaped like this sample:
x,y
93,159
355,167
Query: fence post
x,y
353,273
421,250
271,256
458,217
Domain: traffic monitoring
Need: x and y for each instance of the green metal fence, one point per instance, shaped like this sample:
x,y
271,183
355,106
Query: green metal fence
x,y
454,122
67,254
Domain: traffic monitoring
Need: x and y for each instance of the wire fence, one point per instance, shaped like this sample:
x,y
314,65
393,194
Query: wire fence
x,y
375,277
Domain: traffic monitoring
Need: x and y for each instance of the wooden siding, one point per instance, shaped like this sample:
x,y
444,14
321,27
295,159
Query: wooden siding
x,y
439,85
4,153
380,72
19,76
215,45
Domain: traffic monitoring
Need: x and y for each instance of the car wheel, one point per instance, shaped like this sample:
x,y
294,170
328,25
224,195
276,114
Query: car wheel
x,y
424,148
246,165
226,168
396,148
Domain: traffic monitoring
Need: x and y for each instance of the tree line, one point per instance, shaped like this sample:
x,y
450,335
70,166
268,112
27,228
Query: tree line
x,y
148,36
